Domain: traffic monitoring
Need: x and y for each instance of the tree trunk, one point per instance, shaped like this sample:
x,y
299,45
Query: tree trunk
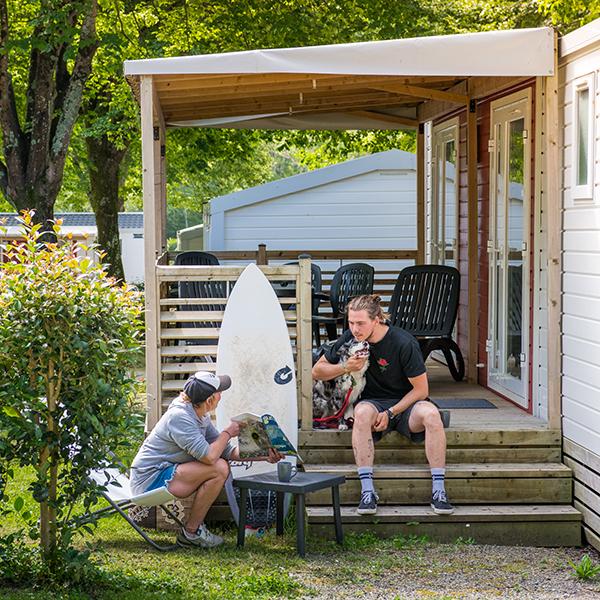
x,y
105,164
35,140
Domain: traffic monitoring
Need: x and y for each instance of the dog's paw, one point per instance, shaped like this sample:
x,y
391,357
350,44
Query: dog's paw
x,y
343,426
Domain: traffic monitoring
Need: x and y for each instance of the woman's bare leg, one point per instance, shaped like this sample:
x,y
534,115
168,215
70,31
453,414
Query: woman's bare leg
x,y
206,480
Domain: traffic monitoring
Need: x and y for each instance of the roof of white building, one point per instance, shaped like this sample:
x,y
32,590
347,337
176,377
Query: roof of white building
x,y
391,159
127,220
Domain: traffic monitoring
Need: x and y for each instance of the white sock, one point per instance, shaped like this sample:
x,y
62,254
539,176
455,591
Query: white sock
x,y
365,475
438,476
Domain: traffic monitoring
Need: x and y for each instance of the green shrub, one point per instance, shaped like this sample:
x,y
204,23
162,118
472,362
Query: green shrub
x,y
69,337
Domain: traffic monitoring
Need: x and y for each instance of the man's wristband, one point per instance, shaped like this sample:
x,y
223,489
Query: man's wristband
x,y
227,432
390,414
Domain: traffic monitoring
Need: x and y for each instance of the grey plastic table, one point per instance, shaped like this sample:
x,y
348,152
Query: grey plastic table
x,y
299,486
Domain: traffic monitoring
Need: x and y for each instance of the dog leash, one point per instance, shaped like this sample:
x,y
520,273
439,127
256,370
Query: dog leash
x,y
330,421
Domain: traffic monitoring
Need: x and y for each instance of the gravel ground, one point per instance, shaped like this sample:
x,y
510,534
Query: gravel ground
x,y
458,571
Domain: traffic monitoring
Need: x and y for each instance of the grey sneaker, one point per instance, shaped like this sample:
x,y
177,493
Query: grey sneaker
x,y
368,503
440,504
203,538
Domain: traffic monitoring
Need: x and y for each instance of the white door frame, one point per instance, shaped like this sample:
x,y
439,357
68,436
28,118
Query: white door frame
x,y
502,112
443,133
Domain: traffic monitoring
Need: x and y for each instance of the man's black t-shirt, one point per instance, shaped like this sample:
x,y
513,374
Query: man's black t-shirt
x,y
392,360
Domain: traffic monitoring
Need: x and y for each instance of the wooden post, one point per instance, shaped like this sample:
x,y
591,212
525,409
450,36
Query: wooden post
x,y
261,257
304,341
473,233
152,247
554,223
421,194
161,175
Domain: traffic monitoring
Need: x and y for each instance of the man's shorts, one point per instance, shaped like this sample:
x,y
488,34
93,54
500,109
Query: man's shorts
x,y
399,422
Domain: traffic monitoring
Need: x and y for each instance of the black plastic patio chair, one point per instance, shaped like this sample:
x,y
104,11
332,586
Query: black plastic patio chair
x,y
349,281
425,303
199,289
286,289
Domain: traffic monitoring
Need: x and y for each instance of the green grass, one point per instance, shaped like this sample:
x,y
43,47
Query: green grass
x,y
270,568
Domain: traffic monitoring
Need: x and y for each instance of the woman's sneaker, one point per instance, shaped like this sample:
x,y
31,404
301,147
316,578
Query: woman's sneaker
x,y
368,503
203,538
440,504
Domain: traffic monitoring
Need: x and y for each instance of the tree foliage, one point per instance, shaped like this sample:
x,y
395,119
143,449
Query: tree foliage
x,y
46,52
567,15
70,338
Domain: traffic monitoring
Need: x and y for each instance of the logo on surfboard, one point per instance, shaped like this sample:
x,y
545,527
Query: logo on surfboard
x,y
283,376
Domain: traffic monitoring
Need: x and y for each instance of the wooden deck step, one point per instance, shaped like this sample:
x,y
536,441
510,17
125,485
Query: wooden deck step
x,y
463,446
523,525
498,483
456,437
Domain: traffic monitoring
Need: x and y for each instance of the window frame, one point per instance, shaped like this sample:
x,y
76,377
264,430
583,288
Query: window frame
x,y
583,192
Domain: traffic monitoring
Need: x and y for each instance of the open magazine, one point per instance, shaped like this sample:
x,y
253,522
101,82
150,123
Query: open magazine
x,y
258,434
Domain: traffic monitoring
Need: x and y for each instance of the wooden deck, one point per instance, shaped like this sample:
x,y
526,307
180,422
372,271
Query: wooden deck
x,y
504,474
504,469
507,416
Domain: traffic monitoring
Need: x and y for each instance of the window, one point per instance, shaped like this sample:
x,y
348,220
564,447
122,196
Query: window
x,y
583,138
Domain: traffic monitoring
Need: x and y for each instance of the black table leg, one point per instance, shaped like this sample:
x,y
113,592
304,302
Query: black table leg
x,y
279,527
337,515
242,519
300,524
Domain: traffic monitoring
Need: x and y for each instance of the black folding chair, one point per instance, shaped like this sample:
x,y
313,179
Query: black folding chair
x,y
349,281
425,303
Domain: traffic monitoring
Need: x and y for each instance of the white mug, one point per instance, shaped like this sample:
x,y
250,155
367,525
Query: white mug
x,y
285,471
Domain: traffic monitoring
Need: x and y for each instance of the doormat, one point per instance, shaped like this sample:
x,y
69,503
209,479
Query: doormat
x,y
463,403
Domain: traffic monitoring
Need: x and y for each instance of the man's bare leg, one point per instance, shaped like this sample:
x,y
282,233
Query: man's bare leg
x,y
206,480
365,415
426,417
362,436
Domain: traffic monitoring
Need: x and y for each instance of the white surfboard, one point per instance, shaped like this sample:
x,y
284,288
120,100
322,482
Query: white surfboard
x,y
256,352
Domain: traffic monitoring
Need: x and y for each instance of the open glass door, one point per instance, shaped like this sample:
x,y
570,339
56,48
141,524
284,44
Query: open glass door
x,y
508,293
444,214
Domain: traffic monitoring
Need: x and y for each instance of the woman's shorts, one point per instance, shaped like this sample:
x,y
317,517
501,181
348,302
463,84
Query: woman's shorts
x,y
399,422
163,478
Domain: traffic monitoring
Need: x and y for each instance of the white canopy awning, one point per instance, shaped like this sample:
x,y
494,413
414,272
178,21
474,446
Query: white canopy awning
x,y
286,86
514,52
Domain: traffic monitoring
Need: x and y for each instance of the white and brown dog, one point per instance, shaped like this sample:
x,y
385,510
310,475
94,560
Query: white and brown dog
x,y
329,396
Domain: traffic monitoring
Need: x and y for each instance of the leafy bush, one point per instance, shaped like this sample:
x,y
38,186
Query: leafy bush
x,y
69,336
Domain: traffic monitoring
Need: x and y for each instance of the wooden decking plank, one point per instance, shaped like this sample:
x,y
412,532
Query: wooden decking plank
x,y
517,533
591,537
472,470
416,455
583,474
498,512
516,436
590,518
538,490
581,454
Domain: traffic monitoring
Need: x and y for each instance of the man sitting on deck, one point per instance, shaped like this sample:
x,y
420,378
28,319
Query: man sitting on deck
x,y
395,397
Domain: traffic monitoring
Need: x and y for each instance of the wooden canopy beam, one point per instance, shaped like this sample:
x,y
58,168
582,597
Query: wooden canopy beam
x,y
377,116
295,99
422,92
238,83
191,113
